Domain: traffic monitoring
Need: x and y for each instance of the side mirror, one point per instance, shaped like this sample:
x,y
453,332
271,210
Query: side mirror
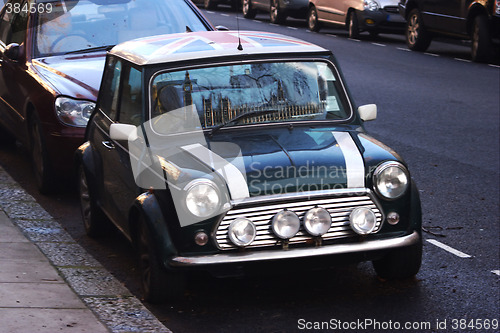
x,y
368,112
221,28
12,51
123,132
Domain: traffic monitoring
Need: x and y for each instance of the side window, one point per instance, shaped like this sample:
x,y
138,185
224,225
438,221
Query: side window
x,y
131,98
13,23
109,93
19,26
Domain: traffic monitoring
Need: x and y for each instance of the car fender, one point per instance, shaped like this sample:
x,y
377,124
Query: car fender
x,y
148,206
415,210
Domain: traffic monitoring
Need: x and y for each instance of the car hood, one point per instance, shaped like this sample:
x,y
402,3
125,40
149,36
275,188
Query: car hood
x,y
275,161
77,76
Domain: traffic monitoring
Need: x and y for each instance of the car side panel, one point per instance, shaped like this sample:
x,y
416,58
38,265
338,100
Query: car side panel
x,y
448,13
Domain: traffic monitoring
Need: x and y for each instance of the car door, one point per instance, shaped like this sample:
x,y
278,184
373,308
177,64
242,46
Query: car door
x,y
329,10
13,29
120,101
445,15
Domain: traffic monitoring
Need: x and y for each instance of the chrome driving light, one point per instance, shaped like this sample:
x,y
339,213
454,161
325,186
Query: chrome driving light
x,y
363,220
317,221
74,112
285,224
371,5
202,198
242,232
391,180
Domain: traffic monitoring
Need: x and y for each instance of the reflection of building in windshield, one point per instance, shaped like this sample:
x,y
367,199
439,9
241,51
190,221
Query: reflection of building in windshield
x,y
295,90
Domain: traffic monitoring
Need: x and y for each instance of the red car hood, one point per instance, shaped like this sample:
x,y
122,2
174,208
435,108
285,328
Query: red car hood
x,y
72,75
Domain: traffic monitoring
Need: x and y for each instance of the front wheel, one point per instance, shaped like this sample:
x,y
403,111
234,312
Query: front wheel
x,y
353,26
158,284
276,15
210,4
417,38
481,43
248,11
400,263
39,156
312,19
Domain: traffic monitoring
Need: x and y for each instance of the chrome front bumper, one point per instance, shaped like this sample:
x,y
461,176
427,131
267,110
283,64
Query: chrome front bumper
x,y
252,256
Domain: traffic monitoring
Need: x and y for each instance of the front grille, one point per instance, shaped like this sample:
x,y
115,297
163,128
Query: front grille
x,y
261,215
391,9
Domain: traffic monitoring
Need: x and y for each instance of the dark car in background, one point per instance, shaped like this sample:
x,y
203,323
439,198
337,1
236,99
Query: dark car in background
x,y
278,10
356,16
51,61
238,153
478,21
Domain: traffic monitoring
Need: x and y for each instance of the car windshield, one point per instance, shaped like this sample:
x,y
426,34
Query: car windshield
x,y
69,26
249,93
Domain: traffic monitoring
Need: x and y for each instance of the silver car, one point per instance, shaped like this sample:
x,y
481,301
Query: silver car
x,y
357,16
278,10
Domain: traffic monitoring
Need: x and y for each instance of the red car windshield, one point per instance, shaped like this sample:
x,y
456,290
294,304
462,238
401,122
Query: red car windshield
x,y
69,26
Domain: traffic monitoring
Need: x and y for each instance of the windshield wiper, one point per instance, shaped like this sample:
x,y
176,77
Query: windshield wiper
x,y
241,116
91,49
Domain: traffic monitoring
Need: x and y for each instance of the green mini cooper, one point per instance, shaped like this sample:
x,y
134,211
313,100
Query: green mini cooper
x,y
233,151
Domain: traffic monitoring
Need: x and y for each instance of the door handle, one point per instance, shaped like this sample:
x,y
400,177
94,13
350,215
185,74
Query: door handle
x,y
108,144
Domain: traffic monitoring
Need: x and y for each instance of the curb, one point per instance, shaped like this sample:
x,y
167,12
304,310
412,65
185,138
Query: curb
x,y
111,302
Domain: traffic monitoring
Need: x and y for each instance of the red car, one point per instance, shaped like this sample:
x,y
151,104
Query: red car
x,y
51,62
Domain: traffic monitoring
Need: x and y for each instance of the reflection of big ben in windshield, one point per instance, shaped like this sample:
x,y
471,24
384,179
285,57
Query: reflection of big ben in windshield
x,y
187,88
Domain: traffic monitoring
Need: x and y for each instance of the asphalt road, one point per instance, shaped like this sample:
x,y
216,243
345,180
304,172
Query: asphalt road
x,y
441,113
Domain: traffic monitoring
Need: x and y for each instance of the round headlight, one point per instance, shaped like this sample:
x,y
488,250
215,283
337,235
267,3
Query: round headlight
x,y
285,224
202,198
242,232
391,180
317,221
363,220
372,5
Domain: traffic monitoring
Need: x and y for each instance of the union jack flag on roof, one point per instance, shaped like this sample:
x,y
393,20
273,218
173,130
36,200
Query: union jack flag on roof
x,y
193,45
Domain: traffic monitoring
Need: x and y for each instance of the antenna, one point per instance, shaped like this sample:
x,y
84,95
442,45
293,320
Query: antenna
x,y
240,47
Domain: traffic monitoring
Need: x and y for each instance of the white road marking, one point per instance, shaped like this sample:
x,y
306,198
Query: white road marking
x,y
403,49
226,15
378,44
293,28
354,40
431,54
331,35
495,66
463,60
497,272
449,249
257,21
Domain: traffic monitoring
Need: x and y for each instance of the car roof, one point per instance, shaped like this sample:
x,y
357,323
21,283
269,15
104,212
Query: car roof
x,y
205,44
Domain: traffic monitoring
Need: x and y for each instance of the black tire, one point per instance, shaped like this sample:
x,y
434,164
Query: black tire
x,y
158,284
6,139
276,15
248,11
417,38
481,42
400,263
312,19
353,25
42,168
210,4
95,222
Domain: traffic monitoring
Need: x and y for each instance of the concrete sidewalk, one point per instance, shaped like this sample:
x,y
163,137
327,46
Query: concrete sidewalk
x,y
49,283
